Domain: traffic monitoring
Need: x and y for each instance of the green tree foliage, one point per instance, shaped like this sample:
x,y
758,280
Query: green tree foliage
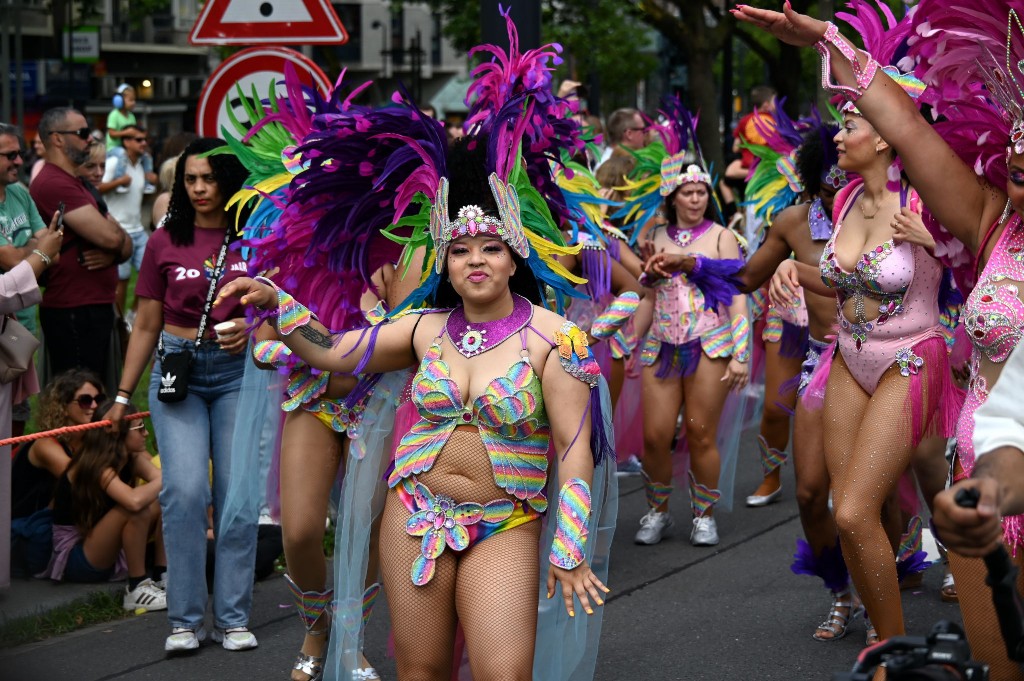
x,y
599,37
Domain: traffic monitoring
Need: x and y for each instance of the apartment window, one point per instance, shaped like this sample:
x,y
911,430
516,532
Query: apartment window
x,y
351,16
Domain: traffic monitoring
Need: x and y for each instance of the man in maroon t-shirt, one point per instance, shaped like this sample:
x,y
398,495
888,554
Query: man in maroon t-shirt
x,y
77,312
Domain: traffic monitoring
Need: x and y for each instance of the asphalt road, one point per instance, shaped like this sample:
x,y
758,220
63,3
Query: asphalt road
x,y
734,611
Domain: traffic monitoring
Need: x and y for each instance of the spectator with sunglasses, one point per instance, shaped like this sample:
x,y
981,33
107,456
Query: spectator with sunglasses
x,y
70,399
77,312
627,132
20,223
102,521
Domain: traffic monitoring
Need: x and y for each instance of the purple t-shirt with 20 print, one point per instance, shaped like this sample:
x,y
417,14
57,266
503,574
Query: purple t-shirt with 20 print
x,y
180,277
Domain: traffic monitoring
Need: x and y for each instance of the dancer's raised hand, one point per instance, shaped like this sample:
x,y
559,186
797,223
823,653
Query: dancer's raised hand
x,y
250,291
789,26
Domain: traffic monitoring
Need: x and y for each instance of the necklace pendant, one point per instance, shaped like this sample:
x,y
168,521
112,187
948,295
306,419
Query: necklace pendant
x,y
472,342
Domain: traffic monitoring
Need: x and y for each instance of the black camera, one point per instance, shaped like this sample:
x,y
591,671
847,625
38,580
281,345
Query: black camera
x,y
943,656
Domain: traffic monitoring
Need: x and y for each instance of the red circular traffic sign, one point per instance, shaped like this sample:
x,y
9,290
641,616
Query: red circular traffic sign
x,y
255,66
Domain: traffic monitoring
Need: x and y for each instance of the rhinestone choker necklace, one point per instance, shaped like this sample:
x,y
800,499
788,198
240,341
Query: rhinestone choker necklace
x,y
684,237
474,338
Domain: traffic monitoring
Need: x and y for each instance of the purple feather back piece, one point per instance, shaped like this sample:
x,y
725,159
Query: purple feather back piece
x,y
913,564
829,566
679,129
511,103
716,279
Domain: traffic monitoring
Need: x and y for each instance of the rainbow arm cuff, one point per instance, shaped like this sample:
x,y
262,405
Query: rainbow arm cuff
x,y
291,314
740,330
863,74
567,549
615,315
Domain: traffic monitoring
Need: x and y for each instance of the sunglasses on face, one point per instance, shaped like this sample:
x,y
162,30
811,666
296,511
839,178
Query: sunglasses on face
x,y
137,139
141,426
81,133
86,401
11,155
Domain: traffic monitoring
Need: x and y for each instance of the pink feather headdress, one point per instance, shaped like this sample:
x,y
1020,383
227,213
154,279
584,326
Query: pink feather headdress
x,y
955,42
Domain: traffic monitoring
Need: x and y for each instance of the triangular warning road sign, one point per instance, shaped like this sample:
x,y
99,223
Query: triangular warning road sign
x,y
254,22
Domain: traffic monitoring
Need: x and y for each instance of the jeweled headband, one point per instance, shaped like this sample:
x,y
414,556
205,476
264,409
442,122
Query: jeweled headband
x,y
472,221
673,177
835,178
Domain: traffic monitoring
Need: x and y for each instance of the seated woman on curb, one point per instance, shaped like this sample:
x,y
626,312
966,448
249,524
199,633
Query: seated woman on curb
x,y
98,513
68,400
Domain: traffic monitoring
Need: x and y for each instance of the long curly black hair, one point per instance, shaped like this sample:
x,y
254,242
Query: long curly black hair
x,y
814,153
467,177
230,175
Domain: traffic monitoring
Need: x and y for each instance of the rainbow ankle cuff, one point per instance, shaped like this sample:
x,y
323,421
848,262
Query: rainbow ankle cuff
x,y
657,493
309,604
702,498
771,458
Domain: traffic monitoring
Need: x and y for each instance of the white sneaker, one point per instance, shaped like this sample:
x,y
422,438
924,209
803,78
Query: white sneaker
x,y
149,189
705,531
235,638
146,596
629,467
653,526
183,638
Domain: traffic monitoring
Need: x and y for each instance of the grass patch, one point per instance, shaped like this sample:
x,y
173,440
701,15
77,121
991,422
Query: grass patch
x,y
98,607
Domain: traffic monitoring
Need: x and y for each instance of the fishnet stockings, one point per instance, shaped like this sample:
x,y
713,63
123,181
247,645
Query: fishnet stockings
x,y
867,448
979,614
491,588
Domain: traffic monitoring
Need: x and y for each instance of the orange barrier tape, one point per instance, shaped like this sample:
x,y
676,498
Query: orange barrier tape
x,y
68,429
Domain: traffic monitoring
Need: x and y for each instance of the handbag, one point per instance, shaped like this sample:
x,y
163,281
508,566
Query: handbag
x,y
17,345
176,367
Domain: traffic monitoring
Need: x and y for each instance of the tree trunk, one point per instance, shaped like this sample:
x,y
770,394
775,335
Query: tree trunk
x,y
704,99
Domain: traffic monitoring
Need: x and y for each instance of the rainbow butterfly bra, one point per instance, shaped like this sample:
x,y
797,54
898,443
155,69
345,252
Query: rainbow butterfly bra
x,y
509,415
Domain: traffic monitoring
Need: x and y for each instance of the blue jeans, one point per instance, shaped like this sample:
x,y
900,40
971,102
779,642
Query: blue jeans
x,y
139,240
188,434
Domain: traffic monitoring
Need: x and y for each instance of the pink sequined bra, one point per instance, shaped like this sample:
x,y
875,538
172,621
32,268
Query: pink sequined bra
x,y
994,314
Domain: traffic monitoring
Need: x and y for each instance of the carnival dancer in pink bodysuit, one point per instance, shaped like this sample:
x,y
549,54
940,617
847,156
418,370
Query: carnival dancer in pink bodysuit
x,y
987,133
890,376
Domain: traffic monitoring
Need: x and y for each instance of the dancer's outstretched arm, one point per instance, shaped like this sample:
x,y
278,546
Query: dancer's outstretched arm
x,y
391,347
963,203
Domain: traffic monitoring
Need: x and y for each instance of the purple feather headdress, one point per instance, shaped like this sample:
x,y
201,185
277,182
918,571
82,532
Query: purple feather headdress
x,y
506,86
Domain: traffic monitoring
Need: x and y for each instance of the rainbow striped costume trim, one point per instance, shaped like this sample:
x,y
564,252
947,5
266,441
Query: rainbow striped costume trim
x,y
657,493
309,604
567,548
442,521
771,458
702,498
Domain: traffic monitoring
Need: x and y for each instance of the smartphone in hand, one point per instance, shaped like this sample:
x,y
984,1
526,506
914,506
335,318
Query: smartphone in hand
x,y
60,216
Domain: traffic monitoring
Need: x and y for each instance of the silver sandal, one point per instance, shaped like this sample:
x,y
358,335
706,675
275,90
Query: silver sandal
x,y
312,605
837,623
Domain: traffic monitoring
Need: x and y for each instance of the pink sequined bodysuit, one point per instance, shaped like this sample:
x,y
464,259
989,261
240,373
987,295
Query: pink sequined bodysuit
x,y
679,314
901,282
993,317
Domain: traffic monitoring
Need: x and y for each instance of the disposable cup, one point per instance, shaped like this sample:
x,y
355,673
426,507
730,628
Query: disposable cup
x,y
223,328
